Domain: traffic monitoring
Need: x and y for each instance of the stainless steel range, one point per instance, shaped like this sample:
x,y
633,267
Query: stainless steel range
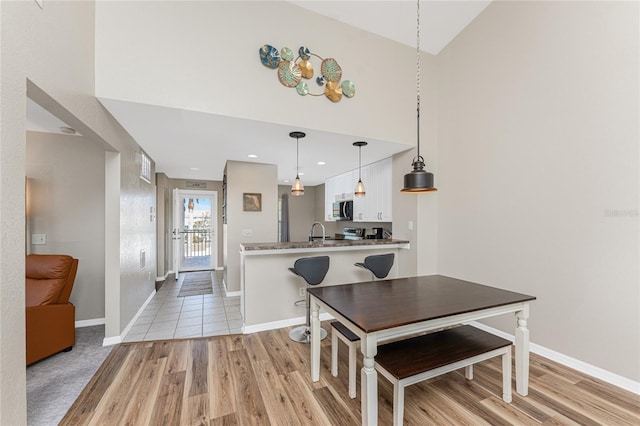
x,y
353,233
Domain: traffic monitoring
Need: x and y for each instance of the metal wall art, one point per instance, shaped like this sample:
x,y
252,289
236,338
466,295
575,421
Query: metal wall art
x,y
292,70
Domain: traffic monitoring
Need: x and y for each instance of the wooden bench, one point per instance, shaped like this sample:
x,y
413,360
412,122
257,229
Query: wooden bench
x,y
411,361
339,331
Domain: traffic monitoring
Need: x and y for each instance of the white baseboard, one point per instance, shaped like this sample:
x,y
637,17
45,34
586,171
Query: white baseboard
x,y
158,279
114,340
248,329
576,364
230,293
90,322
110,341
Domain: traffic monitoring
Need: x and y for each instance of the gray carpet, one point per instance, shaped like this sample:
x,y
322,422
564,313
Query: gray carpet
x,y
54,383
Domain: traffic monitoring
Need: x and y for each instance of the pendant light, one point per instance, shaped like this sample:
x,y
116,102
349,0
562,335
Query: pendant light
x,y
418,180
297,188
359,192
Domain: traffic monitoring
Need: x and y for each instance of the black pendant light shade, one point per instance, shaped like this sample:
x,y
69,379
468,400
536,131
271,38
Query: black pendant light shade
x,y
418,180
297,188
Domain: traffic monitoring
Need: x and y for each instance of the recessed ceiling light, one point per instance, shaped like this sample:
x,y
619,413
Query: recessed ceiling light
x,y
68,130
252,156
286,181
301,173
194,168
321,163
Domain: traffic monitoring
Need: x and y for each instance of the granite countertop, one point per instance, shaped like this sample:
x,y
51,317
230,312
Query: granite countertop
x,y
317,244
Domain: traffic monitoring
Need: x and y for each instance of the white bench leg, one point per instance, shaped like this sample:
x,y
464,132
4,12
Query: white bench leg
x,y
468,372
506,376
352,369
334,353
398,404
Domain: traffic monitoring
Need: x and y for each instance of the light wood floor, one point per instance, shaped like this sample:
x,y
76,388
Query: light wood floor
x,y
263,379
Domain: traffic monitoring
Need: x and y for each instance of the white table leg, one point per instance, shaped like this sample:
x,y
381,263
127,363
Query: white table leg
x,y
522,351
468,372
369,381
315,341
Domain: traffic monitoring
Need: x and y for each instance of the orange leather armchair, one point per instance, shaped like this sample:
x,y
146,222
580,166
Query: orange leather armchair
x,y
50,316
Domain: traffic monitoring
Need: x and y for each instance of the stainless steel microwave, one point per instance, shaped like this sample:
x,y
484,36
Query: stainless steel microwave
x,y
343,210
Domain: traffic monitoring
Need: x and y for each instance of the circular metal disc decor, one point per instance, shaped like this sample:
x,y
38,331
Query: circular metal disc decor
x,y
289,73
269,56
348,88
330,70
302,88
287,54
333,91
292,70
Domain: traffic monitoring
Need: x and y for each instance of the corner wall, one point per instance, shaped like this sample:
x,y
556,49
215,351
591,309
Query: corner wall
x,y
67,203
539,171
302,212
248,226
51,50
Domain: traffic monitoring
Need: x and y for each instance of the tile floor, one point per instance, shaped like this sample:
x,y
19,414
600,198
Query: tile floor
x,y
168,316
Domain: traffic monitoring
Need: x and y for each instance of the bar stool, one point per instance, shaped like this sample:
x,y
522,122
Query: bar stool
x,y
380,266
313,270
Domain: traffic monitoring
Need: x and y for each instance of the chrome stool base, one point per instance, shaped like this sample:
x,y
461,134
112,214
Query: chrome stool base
x,y
302,334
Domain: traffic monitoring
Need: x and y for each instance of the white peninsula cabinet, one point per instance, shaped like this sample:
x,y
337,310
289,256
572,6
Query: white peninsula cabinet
x,y
376,205
269,291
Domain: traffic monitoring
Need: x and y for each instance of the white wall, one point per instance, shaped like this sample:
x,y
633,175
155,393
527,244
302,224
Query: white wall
x,y
67,204
208,52
538,170
263,225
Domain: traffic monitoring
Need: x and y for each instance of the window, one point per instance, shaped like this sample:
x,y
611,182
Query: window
x,y
145,167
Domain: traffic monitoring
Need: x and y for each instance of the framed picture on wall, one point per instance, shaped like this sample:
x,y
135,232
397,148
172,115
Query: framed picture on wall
x,y
251,202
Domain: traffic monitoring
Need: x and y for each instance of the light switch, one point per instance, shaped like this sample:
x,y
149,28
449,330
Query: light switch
x,y
410,225
247,232
38,239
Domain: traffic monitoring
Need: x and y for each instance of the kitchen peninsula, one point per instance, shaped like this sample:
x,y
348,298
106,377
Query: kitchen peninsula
x,y
269,290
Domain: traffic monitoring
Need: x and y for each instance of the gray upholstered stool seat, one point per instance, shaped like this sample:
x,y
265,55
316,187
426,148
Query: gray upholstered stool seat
x,y
378,264
313,270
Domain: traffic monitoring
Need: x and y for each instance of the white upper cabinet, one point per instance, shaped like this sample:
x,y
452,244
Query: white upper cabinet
x,y
329,198
376,205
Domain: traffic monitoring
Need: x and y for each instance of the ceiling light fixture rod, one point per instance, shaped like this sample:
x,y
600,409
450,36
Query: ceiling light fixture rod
x,y
360,191
297,188
418,180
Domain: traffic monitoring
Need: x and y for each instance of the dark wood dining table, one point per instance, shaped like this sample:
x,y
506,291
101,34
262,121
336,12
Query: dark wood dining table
x,y
389,309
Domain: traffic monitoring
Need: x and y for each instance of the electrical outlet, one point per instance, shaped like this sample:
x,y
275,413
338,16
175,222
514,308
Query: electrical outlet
x,y
301,291
38,239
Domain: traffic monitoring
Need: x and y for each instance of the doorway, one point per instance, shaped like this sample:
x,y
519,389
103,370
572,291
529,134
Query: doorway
x,y
195,233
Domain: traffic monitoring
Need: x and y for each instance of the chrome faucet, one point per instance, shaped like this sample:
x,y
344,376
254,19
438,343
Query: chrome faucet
x,y
311,232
